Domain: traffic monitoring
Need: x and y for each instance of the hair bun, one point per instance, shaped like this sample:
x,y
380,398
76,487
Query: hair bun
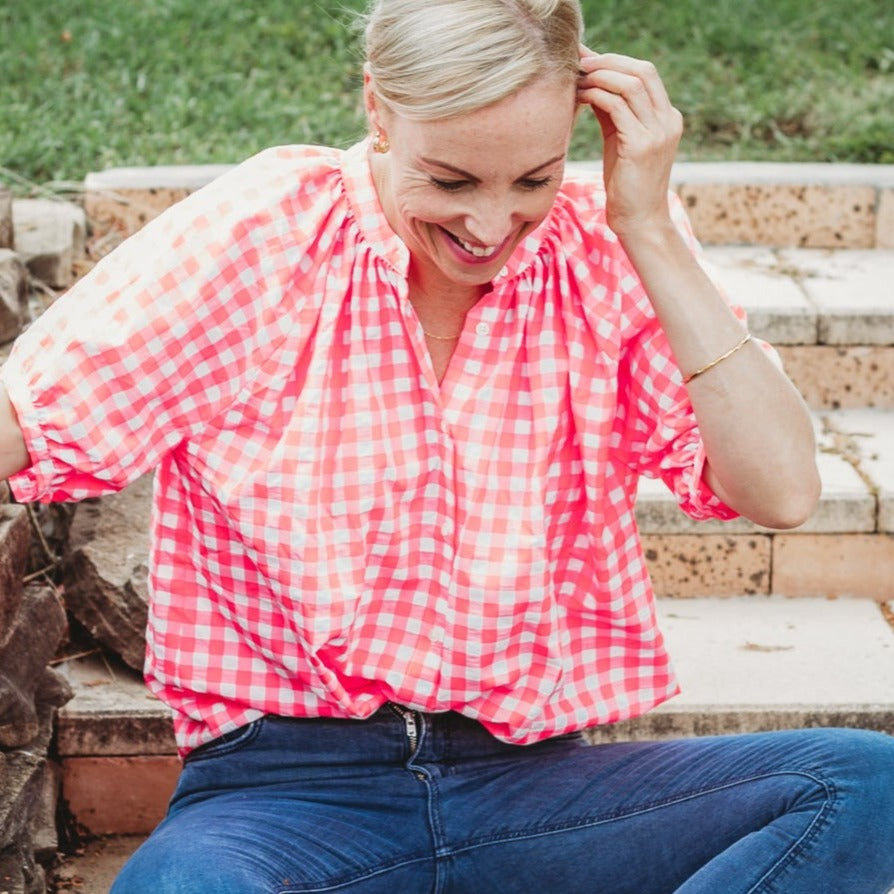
x,y
447,57
541,9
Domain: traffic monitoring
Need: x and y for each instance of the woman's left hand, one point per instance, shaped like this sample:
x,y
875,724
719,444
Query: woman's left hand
x,y
641,131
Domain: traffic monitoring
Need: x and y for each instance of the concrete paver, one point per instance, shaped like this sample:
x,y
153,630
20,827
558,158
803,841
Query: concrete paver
x,y
853,292
769,650
835,377
847,504
777,308
871,434
755,663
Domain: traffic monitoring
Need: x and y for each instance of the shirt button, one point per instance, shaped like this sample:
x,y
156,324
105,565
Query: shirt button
x,y
482,329
437,636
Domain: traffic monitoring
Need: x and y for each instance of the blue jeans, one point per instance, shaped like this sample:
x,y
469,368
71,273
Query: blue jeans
x,y
409,802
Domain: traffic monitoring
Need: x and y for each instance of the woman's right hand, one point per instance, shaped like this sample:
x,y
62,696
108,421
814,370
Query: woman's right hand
x,y
641,131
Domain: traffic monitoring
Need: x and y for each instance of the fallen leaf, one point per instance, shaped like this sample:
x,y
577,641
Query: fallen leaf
x,y
756,647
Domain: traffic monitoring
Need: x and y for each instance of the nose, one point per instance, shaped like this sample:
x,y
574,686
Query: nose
x,y
490,222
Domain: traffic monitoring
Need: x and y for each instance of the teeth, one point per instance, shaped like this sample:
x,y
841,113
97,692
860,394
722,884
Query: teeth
x,y
477,250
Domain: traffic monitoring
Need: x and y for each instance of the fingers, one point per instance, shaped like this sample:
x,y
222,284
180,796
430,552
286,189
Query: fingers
x,y
635,81
638,74
641,131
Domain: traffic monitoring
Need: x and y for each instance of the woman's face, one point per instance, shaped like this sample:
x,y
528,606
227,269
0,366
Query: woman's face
x,y
463,192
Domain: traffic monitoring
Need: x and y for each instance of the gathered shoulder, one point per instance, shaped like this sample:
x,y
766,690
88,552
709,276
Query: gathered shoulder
x,y
277,183
578,219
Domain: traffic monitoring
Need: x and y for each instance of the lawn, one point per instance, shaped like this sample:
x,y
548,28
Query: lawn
x,y
89,84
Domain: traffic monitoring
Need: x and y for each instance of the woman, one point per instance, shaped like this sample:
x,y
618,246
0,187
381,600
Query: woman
x,y
398,399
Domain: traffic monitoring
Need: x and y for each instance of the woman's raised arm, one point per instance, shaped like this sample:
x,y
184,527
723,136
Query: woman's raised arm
x,y
757,432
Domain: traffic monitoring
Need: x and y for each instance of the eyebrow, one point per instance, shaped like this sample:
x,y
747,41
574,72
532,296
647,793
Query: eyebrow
x,y
473,178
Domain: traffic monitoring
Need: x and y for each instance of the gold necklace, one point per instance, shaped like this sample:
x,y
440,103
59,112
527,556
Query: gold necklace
x,y
442,337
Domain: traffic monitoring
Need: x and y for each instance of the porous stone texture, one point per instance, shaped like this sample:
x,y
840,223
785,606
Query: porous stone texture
x,y
807,216
105,571
122,200
884,224
835,378
13,294
685,565
50,236
832,566
5,218
124,212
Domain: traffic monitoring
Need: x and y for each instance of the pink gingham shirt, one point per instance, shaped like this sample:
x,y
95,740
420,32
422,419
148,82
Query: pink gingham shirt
x,y
332,528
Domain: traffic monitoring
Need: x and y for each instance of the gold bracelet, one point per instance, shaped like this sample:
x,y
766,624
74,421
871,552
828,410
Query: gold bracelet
x,y
720,359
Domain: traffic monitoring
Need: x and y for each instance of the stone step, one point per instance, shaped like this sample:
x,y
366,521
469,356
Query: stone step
x,y
730,203
823,295
754,663
116,746
829,313
845,548
745,664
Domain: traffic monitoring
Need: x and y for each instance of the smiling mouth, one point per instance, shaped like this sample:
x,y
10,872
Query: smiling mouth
x,y
479,251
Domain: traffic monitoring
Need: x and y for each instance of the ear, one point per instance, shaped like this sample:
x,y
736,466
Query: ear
x,y
371,102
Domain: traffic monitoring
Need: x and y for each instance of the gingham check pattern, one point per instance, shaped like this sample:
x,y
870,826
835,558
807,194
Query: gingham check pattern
x,y
333,529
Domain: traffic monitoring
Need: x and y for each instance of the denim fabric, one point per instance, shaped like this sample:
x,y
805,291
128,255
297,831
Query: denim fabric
x,y
409,802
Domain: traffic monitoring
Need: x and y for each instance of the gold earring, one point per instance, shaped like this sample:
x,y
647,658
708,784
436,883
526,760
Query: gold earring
x,y
380,143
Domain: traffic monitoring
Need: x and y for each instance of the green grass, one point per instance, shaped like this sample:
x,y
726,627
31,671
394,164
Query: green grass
x,y
90,84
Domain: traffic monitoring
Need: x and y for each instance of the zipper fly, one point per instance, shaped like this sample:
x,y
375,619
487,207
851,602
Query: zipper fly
x,y
412,729
410,725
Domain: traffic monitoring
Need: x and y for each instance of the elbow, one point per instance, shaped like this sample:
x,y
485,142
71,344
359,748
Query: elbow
x,y
795,506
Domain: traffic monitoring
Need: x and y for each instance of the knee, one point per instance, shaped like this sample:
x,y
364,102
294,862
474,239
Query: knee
x,y
860,762
864,750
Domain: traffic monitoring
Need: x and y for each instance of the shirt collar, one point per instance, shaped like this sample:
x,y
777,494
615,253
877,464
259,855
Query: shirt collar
x,y
364,201
370,217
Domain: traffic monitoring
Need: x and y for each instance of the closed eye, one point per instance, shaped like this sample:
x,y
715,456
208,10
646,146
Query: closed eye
x,y
535,183
449,185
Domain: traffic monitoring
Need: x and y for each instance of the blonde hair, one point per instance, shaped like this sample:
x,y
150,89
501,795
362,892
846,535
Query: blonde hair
x,y
433,59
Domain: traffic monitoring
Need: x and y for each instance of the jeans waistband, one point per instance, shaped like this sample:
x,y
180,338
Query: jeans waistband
x,y
391,735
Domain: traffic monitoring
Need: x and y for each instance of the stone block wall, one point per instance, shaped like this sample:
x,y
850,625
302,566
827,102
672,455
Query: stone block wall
x,y
32,625
42,244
